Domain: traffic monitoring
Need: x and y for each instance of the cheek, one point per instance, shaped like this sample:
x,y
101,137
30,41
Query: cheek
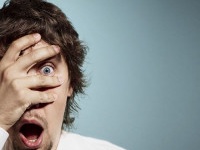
x,y
56,111
61,100
60,103
58,107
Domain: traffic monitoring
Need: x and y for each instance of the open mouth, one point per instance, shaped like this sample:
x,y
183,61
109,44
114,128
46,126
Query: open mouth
x,y
31,135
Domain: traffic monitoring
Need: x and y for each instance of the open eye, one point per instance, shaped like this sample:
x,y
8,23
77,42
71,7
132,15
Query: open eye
x,y
47,70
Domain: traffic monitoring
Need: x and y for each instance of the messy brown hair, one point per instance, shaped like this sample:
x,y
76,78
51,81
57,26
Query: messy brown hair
x,y
22,17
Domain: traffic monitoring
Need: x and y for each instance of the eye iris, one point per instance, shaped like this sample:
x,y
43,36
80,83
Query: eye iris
x,y
47,70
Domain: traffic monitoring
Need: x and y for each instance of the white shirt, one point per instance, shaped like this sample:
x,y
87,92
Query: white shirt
x,y
73,141
3,137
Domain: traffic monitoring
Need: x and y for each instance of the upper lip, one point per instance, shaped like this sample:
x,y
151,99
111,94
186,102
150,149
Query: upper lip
x,y
30,120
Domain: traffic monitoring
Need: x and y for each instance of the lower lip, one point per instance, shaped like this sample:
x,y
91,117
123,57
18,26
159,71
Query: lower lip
x,y
32,145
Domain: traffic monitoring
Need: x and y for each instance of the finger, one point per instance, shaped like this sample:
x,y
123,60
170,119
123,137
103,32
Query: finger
x,y
20,44
39,81
33,57
36,97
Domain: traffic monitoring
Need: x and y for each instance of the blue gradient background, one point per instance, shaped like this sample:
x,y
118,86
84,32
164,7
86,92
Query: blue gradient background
x,y
144,69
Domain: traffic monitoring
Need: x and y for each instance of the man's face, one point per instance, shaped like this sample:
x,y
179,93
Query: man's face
x,y
40,126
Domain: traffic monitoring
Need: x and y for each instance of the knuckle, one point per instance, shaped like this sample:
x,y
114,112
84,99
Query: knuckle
x,y
51,50
34,56
15,85
21,94
15,45
26,106
30,39
42,96
2,68
38,55
51,97
7,74
42,80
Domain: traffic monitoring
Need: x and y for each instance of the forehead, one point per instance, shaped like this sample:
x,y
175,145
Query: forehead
x,y
40,44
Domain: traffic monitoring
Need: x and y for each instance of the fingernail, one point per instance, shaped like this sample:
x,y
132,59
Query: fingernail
x,y
56,48
60,79
37,36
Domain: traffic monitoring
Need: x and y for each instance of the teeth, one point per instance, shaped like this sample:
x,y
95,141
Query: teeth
x,y
32,141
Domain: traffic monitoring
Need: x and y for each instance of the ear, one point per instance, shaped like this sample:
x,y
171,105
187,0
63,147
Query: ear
x,y
70,91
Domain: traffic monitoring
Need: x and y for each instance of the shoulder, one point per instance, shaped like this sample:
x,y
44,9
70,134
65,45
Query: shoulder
x,y
77,142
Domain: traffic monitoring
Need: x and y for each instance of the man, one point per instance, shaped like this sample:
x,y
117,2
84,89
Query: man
x,y
40,74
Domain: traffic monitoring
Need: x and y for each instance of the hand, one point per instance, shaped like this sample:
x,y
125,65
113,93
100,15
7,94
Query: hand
x,y
16,87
